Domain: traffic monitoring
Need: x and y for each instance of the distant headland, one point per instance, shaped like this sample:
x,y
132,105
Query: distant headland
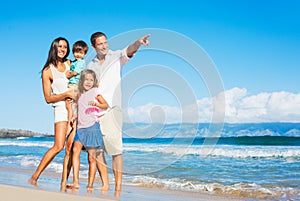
x,y
13,133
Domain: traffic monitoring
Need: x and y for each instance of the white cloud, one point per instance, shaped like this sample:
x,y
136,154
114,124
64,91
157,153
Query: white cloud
x,y
239,108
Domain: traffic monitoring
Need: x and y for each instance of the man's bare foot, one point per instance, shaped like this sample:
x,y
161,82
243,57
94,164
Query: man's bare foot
x,y
32,181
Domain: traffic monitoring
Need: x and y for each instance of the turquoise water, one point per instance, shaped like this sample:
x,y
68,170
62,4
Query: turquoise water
x,y
255,160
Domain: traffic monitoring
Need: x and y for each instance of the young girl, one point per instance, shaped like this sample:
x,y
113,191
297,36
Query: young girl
x,y
91,106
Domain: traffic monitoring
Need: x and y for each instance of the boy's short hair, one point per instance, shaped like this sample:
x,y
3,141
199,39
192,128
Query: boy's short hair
x,y
79,46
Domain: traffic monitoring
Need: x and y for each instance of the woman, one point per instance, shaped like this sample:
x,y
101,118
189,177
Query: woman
x,y
55,81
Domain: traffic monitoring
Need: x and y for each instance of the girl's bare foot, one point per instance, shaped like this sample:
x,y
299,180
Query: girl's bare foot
x,y
118,187
73,186
103,188
89,189
117,193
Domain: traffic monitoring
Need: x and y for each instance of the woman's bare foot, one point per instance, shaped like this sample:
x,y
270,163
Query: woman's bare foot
x,y
32,181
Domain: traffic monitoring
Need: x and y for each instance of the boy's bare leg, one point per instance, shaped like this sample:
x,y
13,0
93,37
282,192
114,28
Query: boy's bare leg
x,y
69,108
103,171
68,159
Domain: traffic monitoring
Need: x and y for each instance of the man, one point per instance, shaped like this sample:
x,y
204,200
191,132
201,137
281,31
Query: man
x,y
107,64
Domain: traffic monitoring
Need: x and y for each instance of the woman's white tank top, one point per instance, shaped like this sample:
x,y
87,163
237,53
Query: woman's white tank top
x,y
60,82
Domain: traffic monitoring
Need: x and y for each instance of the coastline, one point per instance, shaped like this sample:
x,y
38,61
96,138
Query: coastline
x,y
14,180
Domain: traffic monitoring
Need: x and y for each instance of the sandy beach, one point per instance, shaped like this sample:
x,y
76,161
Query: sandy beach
x,y
14,186
14,193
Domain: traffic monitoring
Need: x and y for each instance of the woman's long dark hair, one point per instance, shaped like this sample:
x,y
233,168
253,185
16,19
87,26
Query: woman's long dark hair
x,y
52,55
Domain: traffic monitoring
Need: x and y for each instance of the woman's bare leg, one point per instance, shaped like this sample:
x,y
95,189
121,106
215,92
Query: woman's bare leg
x,y
60,130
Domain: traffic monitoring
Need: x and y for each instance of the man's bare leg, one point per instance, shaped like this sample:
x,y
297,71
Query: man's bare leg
x,y
117,169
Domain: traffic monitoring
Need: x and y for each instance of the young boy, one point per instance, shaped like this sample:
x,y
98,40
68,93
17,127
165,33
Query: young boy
x,y
79,50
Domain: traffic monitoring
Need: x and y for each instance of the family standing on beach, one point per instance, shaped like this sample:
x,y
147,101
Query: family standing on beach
x,y
87,108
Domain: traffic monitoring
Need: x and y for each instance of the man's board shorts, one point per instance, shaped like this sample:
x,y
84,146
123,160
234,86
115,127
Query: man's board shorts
x,y
111,128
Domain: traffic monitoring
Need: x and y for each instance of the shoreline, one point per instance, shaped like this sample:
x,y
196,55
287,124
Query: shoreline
x,y
15,180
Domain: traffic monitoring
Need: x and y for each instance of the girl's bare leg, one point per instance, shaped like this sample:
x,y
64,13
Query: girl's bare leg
x,y
92,168
60,130
103,170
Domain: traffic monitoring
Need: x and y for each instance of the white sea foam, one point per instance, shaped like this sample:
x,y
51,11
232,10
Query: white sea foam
x,y
33,161
30,161
26,144
219,150
22,138
246,189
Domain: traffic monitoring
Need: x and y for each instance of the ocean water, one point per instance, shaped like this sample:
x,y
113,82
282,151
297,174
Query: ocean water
x,y
255,161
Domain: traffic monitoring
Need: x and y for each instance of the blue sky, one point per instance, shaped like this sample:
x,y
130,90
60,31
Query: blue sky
x,y
255,46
